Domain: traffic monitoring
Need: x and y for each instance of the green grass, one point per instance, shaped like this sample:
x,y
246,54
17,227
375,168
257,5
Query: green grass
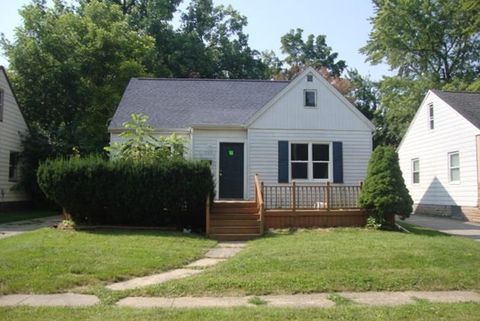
x,y
8,217
338,260
50,260
414,312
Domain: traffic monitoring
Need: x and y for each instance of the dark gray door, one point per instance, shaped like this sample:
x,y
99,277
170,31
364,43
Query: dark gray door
x,y
231,170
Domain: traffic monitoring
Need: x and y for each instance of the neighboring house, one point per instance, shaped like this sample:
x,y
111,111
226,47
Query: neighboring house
x,y
302,130
440,154
12,125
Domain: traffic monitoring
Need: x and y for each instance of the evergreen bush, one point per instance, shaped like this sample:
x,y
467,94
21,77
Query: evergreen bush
x,y
94,190
384,193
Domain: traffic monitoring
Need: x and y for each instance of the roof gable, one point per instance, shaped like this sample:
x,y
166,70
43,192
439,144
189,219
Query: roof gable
x,y
466,104
184,103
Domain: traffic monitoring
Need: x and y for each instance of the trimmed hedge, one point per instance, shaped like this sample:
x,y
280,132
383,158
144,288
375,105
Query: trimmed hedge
x,y
98,191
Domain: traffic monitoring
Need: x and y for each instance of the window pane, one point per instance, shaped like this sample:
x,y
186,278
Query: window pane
x,y
416,178
299,152
455,174
431,111
300,170
432,124
321,152
415,165
454,160
310,98
320,170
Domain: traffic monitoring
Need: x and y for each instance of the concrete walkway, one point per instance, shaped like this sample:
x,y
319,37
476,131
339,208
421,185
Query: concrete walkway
x,y
314,300
447,225
220,253
19,227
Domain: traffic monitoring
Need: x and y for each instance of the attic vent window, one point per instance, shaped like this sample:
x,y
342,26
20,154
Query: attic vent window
x,y
310,78
310,98
430,116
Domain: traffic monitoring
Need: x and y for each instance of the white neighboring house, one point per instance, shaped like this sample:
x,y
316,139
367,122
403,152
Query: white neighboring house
x,y
302,130
12,124
440,154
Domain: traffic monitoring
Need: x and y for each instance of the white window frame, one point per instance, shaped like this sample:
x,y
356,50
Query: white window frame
x,y
310,162
2,103
415,172
456,167
305,98
431,117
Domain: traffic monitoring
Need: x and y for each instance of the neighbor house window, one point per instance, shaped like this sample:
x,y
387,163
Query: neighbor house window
x,y
430,116
454,167
13,166
310,78
310,98
415,171
2,96
310,161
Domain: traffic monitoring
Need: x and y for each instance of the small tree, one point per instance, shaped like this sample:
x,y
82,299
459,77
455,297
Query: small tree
x,y
140,144
384,193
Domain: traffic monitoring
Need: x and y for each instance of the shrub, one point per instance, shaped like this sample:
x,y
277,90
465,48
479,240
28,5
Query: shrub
x,y
97,191
384,192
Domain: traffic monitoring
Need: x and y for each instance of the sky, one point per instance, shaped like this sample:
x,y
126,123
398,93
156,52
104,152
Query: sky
x,y
344,22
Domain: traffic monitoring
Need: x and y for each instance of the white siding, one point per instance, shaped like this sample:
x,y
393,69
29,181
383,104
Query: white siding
x,y
10,141
263,152
331,112
205,146
452,132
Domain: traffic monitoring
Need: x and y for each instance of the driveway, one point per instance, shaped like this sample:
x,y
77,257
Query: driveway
x,y
447,225
19,227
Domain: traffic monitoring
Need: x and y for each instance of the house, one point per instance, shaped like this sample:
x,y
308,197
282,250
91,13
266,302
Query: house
x,y
440,153
301,131
12,126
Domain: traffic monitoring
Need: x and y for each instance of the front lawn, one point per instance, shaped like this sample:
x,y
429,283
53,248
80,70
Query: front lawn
x,y
413,312
8,217
51,260
339,259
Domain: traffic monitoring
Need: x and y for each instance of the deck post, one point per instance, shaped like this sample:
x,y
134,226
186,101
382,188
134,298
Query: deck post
x,y
207,216
328,196
294,205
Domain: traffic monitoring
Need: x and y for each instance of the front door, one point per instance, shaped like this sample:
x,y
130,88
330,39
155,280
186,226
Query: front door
x,y
231,170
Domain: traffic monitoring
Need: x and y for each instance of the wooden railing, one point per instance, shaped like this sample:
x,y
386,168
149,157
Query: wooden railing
x,y
310,196
259,201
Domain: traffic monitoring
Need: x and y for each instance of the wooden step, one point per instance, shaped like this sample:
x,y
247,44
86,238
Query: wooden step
x,y
238,230
228,222
234,237
234,217
234,204
239,210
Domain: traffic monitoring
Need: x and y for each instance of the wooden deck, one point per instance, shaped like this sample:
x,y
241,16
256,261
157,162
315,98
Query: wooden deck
x,y
285,206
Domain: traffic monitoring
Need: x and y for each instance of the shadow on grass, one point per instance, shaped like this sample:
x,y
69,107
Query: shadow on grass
x,y
419,230
139,232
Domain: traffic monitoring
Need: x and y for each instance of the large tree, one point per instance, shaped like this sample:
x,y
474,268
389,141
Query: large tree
x,y
439,38
70,66
313,51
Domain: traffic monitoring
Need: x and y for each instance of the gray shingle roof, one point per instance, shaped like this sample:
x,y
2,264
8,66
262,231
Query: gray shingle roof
x,y
181,103
466,104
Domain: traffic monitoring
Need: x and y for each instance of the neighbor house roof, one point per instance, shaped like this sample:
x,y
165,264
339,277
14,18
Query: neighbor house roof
x,y
466,104
183,103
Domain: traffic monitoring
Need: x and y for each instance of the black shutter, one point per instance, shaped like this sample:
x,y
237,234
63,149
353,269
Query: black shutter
x,y
337,162
283,161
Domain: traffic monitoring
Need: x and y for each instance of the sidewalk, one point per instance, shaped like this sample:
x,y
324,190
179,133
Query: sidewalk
x,y
19,227
447,225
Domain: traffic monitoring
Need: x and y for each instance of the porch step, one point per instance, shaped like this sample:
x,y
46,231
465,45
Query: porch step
x,y
234,220
234,210
234,237
233,204
238,230
228,222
